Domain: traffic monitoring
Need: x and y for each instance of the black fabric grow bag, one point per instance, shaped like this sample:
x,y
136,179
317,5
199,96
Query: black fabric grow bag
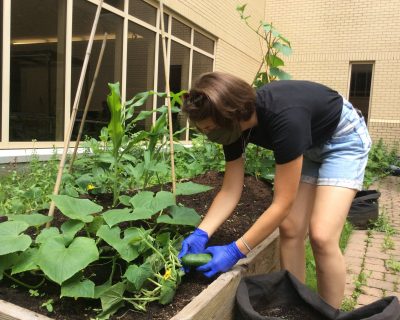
x,y
258,297
279,290
364,209
387,308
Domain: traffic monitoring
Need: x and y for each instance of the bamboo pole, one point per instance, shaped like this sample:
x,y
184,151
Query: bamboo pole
x,y
168,91
89,99
74,110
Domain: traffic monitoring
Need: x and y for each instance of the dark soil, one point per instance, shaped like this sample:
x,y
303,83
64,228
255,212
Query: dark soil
x,y
256,197
290,312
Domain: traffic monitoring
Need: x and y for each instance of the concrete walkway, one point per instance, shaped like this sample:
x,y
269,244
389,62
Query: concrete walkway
x,y
373,258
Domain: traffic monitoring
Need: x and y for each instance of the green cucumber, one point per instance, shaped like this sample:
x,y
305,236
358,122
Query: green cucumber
x,y
196,260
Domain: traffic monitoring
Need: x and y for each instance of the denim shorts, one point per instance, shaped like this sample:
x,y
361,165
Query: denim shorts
x,y
340,161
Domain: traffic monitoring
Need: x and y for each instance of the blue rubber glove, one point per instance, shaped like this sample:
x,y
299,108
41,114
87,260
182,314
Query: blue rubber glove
x,y
195,243
224,258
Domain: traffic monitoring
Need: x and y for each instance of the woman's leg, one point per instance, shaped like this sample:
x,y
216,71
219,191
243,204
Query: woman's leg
x,y
331,207
293,231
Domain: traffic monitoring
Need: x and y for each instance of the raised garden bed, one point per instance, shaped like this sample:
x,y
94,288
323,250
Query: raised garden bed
x,y
210,298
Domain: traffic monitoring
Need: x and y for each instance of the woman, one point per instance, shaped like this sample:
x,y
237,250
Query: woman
x,y
321,146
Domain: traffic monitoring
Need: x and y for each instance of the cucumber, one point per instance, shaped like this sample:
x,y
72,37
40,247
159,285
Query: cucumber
x,y
196,260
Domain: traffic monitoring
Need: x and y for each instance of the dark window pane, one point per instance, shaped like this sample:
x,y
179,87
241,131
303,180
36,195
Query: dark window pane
x,y
110,69
360,87
37,70
119,4
1,61
161,72
143,11
140,66
179,80
204,43
181,30
201,64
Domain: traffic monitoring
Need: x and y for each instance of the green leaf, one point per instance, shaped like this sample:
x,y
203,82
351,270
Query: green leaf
x,y
115,216
146,200
113,296
33,219
115,128
47,234
79,209
10,238
241,8
286,50
70,228
6,262
167,292
189,188
282,75
180,216
112,236
60,263
27,261
274,61
125,200
95,225
267,27
162,200
137,275
142,214
75,288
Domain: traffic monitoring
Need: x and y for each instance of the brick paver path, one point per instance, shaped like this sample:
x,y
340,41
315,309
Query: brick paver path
x,y
373,258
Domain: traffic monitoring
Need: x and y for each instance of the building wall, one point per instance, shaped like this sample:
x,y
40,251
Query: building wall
x,y
327,35
238,49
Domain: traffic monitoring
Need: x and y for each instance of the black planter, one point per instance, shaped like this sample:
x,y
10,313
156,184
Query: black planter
x,y
364,209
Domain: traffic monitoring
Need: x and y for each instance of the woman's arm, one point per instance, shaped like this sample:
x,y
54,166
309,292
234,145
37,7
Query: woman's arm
x,y
287,178
227,198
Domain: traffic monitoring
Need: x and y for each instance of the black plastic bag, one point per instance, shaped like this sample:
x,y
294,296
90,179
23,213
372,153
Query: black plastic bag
x,y
268,296
387,308
364,209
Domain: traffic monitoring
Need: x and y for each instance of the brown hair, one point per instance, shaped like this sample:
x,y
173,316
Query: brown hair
x,y
220,96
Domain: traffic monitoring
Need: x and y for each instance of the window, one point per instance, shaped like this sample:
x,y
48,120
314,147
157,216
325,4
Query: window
x,y
42,90
110,70
37,70
360,86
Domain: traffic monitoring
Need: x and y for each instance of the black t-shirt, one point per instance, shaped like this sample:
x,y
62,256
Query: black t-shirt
x,y
293,116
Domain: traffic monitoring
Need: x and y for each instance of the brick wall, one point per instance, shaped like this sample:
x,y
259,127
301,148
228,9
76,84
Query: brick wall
x,y
327,35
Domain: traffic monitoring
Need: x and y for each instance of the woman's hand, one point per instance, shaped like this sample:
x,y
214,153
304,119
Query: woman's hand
x,y
224,258
195,243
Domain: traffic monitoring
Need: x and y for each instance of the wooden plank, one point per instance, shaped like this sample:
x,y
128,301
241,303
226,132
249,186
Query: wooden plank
x,y
218,299
9,311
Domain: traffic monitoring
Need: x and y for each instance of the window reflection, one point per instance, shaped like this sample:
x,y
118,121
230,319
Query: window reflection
x,y
140,64
37,70
203,42
181,30
201,64
142,10
179,79
110,69
119,4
